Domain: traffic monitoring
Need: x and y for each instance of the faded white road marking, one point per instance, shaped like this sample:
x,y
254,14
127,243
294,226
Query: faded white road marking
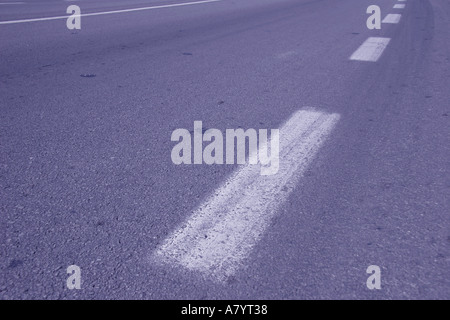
x,y
371,49
399,6
110,12
392,18
286,55
9,3
221,233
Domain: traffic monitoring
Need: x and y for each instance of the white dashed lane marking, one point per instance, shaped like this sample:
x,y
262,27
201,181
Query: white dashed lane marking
x,y
221,233
392,18
371,50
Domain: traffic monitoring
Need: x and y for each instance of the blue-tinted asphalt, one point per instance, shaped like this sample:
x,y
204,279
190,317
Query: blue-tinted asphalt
x,y
86,176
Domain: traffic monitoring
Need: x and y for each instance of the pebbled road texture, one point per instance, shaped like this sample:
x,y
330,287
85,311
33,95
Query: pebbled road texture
x,y
86,176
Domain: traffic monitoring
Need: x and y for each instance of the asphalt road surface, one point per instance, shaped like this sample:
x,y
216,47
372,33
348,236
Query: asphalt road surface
x,y
87,177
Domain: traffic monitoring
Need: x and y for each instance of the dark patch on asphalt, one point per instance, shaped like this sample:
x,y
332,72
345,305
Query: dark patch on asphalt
x,y
220,102
15,263
88,75
187,54
100,223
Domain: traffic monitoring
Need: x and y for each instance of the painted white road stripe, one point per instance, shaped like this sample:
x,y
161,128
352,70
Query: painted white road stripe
x,y
110,12
399,6
392,18
9,3
221,233
371,49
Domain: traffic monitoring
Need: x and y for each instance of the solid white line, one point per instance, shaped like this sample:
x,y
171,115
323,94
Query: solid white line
x,y
8,3
371,49
221,233
109,12
392,18
399,6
